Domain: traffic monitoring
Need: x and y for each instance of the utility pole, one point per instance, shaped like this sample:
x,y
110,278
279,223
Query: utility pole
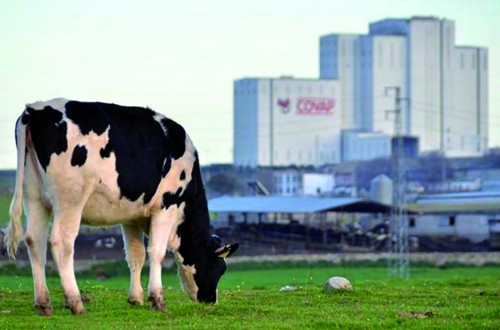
x,y
399,259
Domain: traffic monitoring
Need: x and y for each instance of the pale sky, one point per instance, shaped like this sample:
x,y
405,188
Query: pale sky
x,y
180,57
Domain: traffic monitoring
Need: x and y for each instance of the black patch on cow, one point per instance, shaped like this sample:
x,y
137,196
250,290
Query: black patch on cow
x,y
143,152
18,121
48,133
25,118
175,132
79,156
196,218
87,118
106,151
183,175
166,166
197,247
170,199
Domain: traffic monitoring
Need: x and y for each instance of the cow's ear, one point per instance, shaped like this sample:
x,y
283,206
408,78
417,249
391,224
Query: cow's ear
x,y
227,250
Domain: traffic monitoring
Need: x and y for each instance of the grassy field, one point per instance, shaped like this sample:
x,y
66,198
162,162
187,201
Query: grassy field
x,y
455,298
4,209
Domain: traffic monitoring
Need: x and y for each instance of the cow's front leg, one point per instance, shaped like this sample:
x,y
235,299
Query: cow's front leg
x,y
135,255
62,240
161,228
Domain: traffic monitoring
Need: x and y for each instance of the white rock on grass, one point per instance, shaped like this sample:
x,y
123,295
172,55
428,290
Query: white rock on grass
x,y
338,283
288,288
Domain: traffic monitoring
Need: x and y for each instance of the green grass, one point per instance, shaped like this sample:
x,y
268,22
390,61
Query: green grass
x,y
455,298
4,209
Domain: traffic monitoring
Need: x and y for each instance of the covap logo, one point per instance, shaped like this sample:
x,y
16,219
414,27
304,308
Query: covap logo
x,y
308,106
284,105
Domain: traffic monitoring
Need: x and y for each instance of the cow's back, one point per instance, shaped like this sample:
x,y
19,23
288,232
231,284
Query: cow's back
x,y
119,160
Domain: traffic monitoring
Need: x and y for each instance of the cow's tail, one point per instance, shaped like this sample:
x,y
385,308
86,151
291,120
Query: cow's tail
x,y
15,228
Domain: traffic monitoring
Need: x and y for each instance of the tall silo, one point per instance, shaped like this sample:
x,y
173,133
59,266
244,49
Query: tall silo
x,y
381,189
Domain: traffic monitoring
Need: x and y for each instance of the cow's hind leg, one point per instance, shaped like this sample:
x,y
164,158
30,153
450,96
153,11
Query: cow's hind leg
x,y
62,240
136,254
37,233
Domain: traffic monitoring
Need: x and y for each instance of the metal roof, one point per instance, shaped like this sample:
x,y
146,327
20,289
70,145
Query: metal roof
x,y
471,203
280,204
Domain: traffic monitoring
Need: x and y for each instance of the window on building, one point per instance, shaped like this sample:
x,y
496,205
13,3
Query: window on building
x,y
473,61
451,221
392,55
462,60
401,55
411,222
380,57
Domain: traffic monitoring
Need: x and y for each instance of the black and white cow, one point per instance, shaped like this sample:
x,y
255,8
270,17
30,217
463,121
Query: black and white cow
x,y
104,164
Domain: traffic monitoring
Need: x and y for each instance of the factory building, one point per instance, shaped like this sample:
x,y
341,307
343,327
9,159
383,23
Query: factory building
x,y
286,121
346,114
443,86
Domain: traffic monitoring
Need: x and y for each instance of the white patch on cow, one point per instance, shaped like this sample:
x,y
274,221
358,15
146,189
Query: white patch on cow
x,y
186,274
174,240
158,118
95,184
163,223
172,182
58,103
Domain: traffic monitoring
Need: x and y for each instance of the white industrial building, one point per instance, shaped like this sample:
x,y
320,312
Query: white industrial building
x,y
286,121
444,85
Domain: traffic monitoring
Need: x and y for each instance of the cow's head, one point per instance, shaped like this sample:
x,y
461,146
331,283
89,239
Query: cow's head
x,y
200,279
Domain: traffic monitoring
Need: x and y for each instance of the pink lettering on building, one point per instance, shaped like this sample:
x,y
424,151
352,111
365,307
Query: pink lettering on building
x,y
315,106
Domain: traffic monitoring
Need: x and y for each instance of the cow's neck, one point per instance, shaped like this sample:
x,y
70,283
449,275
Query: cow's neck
x,y
194,231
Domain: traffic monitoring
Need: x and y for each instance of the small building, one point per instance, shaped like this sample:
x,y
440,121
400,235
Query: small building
x,y
361,145
463,215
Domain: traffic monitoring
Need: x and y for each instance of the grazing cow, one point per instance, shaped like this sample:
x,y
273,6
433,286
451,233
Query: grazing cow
x,y
104,164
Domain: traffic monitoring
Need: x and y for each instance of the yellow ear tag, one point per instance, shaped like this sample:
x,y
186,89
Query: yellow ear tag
x,y
224,251
224,254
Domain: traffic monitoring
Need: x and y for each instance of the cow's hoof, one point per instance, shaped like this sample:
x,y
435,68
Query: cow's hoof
x,y
157,304
134,301
159,307
77,310
85,298
75,305
45,310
